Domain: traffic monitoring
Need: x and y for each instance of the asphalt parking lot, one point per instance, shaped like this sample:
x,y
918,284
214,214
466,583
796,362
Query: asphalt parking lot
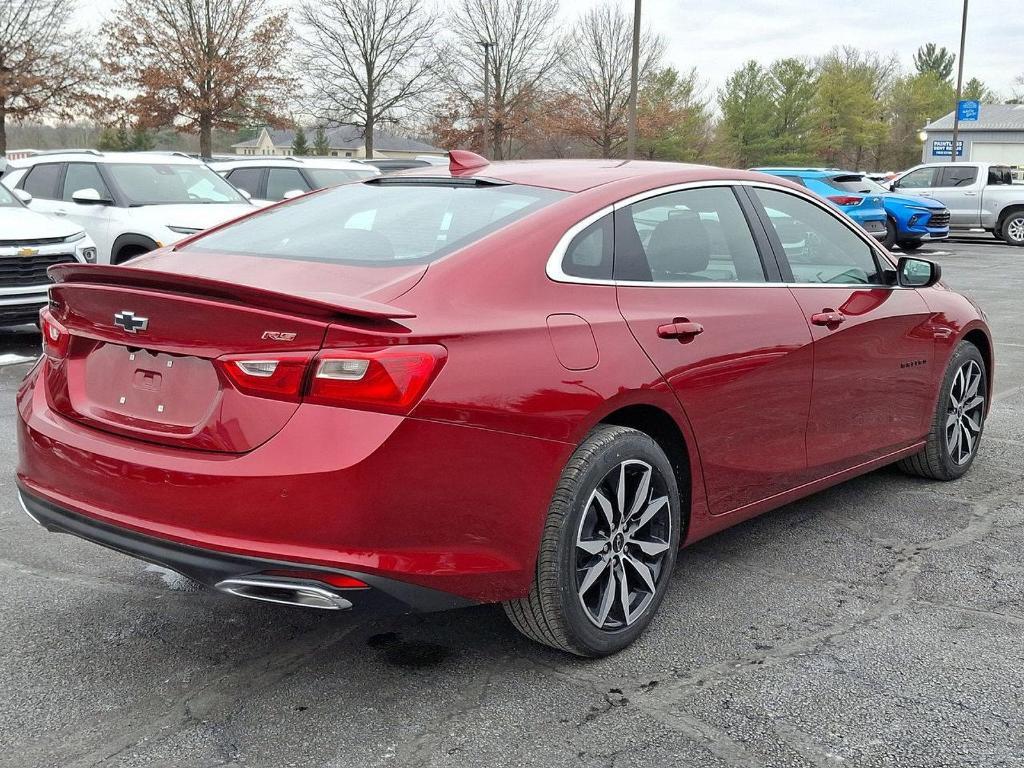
x,y
880,623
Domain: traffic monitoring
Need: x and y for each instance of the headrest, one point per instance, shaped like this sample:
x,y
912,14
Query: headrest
x,y
679,245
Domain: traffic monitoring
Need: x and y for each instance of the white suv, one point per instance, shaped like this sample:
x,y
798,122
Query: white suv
x,y
30,243
128,202
269,179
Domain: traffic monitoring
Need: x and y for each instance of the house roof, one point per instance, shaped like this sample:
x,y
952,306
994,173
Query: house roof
x,y
992,117
347,137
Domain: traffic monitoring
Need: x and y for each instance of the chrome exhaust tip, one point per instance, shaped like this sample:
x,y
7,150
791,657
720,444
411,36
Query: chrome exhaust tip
x,y
284,593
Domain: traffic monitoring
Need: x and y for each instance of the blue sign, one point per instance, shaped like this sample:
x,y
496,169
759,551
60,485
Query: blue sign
x,y
968,110
944,148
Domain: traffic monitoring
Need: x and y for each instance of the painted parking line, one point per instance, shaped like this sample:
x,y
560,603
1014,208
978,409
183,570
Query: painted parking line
x,y
13,359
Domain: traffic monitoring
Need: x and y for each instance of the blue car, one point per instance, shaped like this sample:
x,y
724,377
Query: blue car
x,y
908,221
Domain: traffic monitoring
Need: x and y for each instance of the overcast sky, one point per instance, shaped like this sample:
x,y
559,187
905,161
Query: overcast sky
x,y
716,36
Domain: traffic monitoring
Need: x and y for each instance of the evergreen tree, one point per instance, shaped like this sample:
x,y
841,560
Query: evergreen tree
x,y
321,146
744,132
299,145
934,59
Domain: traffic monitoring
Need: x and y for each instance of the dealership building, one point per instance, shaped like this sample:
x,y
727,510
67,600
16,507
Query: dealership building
x,y
997,136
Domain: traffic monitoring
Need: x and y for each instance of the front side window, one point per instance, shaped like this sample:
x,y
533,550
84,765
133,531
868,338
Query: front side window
x,y
167,184
379,224
247,179
81,176
958,176
922,178
818,246
691,236
41,181
281,181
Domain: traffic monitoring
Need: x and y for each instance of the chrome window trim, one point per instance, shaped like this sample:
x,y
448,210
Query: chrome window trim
x,y
555,272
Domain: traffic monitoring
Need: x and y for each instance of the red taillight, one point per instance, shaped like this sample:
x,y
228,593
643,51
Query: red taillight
x,y
339,580
280,377
390,379
846,199
55,336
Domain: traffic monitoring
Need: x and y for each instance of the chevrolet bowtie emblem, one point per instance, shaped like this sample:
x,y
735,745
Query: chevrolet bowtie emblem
x,y
28,251
129,322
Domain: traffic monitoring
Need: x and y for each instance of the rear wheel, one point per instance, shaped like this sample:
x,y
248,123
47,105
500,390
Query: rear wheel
x,y
608,549
910,245
1013,229
959,419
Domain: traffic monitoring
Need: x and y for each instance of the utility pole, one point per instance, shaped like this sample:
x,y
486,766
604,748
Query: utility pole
x,y
959,86
634,76
487,45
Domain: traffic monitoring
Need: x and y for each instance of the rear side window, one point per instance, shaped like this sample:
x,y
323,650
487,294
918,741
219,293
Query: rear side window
x,y
83,176
922,178
958,176
247,179
692,236
818,246
590,252
379,224
41,181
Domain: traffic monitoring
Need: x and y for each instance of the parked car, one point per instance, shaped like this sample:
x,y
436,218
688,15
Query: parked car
x,y
269,179
393,165
910,221
978,196
30,243
525,383
128,202
867,210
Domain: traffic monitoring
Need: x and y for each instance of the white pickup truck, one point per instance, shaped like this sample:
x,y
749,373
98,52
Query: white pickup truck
x,y
978,196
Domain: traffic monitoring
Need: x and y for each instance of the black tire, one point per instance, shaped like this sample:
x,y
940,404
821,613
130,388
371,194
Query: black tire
x,y
128,252
910,245
936,460
1012,229
890,233
554,613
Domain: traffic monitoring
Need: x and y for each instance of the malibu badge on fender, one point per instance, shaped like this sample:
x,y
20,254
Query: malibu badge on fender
x,y
129,322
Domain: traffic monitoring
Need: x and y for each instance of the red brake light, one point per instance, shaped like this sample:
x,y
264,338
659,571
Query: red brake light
x,y
846,199
389,379
276,376
55,336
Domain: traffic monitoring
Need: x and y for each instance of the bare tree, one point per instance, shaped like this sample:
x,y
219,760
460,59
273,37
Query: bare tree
x,y
366,62
44,64
596,73
200,64
523,53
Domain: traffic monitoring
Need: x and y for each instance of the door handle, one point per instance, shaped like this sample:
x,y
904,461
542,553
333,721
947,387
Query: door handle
x,y
59,212
828,317
970,194
680,328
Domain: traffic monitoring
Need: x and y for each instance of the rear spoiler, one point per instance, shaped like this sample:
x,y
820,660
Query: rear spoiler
x,y
315,303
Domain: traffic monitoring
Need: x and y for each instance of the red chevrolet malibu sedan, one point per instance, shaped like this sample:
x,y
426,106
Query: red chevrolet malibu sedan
x,y
527,383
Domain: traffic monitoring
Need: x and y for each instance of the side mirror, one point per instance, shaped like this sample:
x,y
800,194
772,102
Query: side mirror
x,y
245,193
917,273
25,197
293,193
892,186
89,196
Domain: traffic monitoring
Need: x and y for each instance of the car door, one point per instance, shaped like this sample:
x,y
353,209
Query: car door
x,y
42,181
958,187
873,347
250,180
728,337
95,217
284,182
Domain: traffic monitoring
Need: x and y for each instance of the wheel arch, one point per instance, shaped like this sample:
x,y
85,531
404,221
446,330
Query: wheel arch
x,y
131,240
1006,213
981,340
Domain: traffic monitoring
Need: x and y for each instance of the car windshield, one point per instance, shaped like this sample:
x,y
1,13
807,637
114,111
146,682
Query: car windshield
x,y
7,198
379,224
855,182
332,177
170,183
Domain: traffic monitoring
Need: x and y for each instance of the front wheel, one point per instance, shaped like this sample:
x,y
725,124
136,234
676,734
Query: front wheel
x,y
1013,229
958,421
890,233
608,549
910,245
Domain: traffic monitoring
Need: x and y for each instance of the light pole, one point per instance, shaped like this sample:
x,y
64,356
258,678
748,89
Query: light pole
x,y
487,45
634,76
959,86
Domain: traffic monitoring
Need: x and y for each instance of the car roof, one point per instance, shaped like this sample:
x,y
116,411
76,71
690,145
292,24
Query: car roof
x,y
580,175
92,156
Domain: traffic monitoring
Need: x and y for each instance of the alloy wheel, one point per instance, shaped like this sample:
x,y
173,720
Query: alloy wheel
x,y
1015,230
622,543
965,412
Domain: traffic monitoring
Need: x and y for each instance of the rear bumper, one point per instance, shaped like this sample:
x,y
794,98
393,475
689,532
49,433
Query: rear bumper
x,y
211,568
451,508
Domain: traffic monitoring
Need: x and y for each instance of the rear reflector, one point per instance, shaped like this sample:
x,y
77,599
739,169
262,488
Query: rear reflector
x,y
339,580
55,336
389,379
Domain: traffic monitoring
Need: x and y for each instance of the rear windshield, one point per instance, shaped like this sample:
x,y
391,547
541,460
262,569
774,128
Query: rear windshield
x,y
852,182
379,223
